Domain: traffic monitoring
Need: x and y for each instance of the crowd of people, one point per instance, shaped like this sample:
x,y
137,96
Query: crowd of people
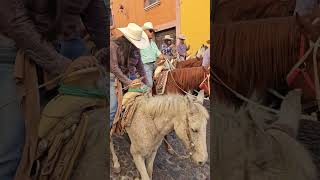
x,y
136,53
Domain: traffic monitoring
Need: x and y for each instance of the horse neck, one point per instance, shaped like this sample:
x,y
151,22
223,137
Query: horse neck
x,y
166,121
189,78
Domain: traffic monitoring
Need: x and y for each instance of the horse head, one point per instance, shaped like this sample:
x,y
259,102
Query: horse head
x,y
310,24
262,141
191,128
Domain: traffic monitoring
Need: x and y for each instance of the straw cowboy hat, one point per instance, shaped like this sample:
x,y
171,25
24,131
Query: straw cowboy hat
x,y
148,26
181,36
167,37
135,35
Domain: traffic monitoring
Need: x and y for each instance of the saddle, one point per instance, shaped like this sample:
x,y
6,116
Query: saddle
x,y
161,82
127,107
63,125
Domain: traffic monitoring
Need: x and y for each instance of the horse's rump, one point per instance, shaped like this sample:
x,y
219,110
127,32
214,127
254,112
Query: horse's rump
x,y
254,55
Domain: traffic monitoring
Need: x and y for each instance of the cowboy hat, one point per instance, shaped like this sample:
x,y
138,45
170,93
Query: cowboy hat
x,y
148,26
181,36
167,37
135,35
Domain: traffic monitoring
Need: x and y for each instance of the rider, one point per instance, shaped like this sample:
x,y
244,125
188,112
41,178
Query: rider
x,y
150,54
122,51
182,47
167,46
19,28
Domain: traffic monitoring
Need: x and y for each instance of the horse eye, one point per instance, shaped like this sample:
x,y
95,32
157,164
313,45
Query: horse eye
x,y
195,130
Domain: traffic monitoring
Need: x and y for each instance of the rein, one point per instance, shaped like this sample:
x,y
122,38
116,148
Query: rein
x,y
177,85
312,47
243,98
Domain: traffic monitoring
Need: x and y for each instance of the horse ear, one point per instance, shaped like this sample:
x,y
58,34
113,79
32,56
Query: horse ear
x,y
200,97
290,113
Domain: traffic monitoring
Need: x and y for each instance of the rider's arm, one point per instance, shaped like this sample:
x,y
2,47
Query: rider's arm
x,y
114,67
15,23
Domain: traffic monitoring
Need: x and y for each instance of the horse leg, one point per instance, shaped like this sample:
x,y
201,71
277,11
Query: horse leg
x,y
139,161
149,162
168,147
115,161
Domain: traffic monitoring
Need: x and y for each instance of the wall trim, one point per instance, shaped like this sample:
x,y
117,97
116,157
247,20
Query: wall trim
x,y
167,25
152,5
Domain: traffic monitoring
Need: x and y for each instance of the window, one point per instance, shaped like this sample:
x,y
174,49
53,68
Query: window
x,y
148,3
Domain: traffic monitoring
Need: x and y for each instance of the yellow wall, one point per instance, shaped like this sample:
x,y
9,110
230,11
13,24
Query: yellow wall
x,y
195,22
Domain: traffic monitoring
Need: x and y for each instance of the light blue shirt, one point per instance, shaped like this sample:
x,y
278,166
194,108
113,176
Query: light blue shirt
x,y
150,54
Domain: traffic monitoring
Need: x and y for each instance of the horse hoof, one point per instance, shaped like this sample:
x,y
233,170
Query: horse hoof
x,y
117,170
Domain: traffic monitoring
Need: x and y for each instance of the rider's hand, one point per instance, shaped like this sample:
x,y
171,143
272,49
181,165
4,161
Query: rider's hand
x,y
136,82
81,63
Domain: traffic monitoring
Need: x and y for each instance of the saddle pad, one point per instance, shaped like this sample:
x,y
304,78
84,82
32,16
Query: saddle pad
x,y
161,82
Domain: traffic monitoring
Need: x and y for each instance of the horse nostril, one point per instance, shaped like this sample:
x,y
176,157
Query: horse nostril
x,y
200,163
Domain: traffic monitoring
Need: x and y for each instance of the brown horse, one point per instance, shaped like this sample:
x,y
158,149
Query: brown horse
x,y
195,62
226,11
183,80
257,55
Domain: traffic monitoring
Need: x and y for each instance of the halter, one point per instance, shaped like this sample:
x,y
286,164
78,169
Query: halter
x,y
191,148
303,57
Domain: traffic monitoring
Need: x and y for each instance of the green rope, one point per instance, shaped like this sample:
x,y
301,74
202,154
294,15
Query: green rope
x,y
77,91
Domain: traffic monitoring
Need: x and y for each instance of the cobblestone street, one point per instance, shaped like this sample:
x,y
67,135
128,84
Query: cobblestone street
x,y
166,166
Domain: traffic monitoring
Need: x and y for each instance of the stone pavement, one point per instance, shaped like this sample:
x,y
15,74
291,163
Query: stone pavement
x,y
166,166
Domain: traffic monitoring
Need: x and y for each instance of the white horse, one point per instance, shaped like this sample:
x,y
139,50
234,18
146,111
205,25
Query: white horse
x,y
156,117
253,144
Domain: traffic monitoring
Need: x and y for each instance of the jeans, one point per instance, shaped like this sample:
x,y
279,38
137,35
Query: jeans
x,y
12,131
113,99
72,48
150,68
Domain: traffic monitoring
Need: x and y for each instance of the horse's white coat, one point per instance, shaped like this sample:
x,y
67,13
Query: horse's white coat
x,y
156,117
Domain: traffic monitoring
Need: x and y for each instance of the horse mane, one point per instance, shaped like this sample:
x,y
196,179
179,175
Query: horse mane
x,y
169,105
195,62
186,78
254,55
227,11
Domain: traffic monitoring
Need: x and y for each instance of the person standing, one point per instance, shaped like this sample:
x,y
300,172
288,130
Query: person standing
x,y
150,54
122,51
182,48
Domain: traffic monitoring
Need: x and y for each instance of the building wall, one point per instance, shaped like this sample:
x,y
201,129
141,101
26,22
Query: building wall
x,y
162,15
194,22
